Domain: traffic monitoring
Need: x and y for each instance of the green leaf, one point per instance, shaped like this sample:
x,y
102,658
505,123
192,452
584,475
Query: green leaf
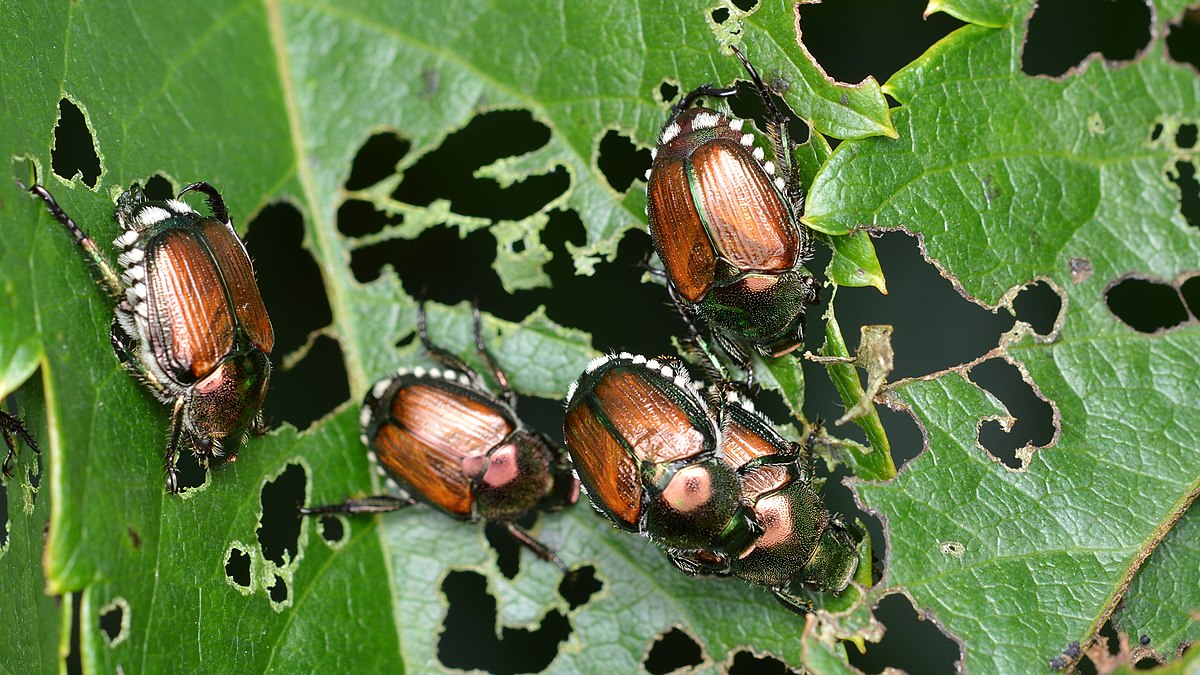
x,y
1007,179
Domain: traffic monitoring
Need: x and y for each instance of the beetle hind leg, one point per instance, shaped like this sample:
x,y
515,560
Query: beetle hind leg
x,y
376,504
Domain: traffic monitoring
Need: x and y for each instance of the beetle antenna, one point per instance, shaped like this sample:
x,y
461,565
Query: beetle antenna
x,y
215,201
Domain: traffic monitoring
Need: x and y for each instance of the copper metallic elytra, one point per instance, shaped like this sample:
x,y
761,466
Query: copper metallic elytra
x,y
443,439
188,321
643,414
725,223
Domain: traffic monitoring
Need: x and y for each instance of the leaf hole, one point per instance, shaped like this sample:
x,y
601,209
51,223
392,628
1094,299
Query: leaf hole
x,y
644,325
278,591
621,161
114,621
332,530
844,37
237,567
720,15
1146,306
315,385
159,188
508,550
1184,178
748,105
1185,137
74,658
279,526
910,643
449,171
74,152
746,6
377,160
1061,35
470,641
1038,305
1034,425
191,474
579,585
667,91
1190,290
747,663
1156,131
288,276
1183,38
358,218
674,650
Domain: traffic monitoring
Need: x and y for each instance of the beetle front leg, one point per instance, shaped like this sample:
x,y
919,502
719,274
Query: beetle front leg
x,y
506,391
104,274
441,355
376,504
702,91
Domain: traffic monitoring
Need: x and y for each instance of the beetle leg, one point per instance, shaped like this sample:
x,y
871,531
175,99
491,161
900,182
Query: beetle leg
x,y
215,202
12,425
698,93
793,602
173,447
104,272
376,504
539,549
258,427
501,379
776,121
441,355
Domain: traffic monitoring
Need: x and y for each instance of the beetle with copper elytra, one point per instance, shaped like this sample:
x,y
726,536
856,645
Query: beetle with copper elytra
x,y
724,222
189,321
442,438
704,476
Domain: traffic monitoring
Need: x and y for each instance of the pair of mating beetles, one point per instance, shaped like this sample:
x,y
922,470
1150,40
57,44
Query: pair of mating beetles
x,y
714,485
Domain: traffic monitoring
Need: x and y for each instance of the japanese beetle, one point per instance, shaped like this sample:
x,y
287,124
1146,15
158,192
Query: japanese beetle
x,y
443,439
703,475
724,222
11,425
188,321
648,452
800,542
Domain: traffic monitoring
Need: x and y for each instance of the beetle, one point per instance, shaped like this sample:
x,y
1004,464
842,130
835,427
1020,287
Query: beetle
x,y
647,451
189,321
706,477
724,220
11,425
801,543
442,438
